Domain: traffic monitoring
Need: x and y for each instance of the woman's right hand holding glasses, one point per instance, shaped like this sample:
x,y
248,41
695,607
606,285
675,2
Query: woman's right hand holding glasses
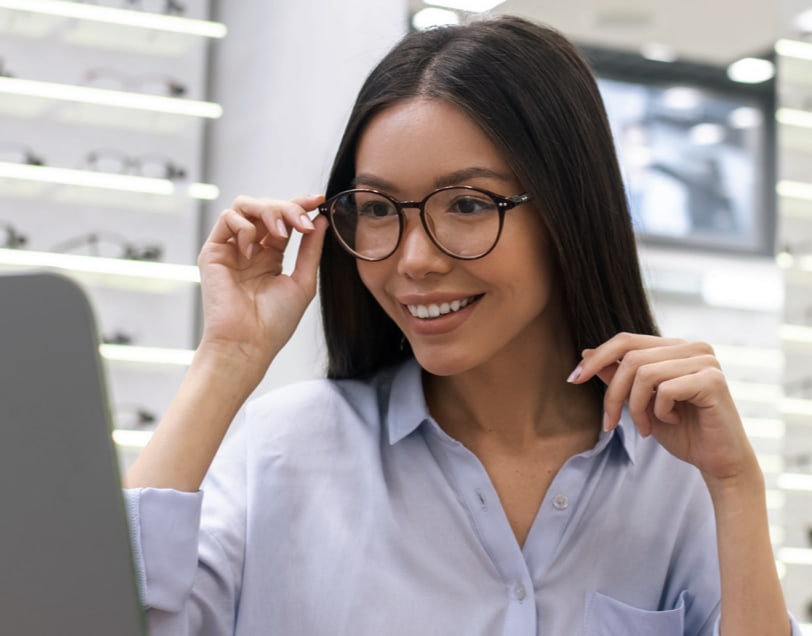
x,y
250,307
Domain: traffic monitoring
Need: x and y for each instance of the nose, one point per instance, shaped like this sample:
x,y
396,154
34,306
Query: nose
x,y
417,255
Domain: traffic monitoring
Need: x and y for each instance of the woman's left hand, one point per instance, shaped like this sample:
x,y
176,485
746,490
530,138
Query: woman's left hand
x,y
675,391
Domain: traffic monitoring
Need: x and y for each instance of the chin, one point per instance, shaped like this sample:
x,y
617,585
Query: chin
x,y
443,362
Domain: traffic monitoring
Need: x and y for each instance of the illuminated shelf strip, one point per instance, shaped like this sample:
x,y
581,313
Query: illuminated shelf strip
x,y
108,97
795,406
793,117
130,438
794,48
760,357
764,428
151,355
110,15
794,189
795,481
99,265
795,333
106,181
788,261
796,556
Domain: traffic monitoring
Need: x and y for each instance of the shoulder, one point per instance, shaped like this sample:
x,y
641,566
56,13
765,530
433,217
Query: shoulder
x,y
320,407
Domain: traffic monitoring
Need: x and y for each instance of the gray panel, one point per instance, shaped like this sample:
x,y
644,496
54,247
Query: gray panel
x,y
65,561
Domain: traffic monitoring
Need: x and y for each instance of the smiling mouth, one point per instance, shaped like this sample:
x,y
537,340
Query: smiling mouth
x,y
430,312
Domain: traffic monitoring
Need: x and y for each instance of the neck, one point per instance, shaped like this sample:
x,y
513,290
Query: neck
x,y
515,401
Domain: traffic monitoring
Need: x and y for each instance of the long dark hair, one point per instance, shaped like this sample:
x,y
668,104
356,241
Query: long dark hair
x,y
535,97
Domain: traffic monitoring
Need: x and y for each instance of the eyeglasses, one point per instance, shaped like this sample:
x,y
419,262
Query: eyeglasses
x,y
169,7
462,221
116,162
150,84
125,248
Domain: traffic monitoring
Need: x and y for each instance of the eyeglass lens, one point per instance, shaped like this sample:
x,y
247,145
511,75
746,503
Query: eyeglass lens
x,y
463,222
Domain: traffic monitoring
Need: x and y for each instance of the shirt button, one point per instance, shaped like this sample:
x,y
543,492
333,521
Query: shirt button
x,y
519,593
560,502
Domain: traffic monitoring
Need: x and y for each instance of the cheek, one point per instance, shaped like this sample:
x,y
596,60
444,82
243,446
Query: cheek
x,y
373,276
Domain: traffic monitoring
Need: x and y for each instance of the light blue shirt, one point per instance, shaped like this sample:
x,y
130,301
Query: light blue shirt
x,y
342,508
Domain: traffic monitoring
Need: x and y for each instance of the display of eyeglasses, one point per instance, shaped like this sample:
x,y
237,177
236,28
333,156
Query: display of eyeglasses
x,y
794,205
103,113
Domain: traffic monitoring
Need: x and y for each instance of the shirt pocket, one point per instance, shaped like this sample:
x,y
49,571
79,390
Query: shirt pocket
x,y
606,616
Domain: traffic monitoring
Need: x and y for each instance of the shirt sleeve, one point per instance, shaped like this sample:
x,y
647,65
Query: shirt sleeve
x,y
188,549
795,627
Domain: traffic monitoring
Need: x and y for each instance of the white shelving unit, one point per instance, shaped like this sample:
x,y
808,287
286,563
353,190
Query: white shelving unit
x,y
794,193
51,106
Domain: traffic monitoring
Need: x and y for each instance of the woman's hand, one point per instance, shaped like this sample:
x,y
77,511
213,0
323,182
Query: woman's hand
x,y
249,306
675,391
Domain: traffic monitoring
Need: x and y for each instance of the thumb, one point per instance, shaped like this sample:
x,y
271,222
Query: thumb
x,y
307,260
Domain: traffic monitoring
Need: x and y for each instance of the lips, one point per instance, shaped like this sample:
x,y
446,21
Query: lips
x,y
435,310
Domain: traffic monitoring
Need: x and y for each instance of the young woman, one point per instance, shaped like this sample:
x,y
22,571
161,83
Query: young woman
x,y
504,444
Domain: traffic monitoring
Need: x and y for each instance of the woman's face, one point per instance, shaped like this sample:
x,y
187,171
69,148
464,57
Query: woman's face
x,y
494,308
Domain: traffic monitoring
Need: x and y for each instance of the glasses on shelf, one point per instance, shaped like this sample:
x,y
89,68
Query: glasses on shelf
x,y
11,237
116,162
463,222
168,7
96,244
4,72
133,416
13,152
149,83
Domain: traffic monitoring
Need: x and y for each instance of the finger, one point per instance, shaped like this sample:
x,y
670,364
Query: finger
x,y
705,388
279,216
232,226
641,363
605,357
307,260
650,395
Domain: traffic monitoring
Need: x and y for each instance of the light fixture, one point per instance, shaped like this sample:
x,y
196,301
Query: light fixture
x,y
149,355
106,181
794,117
803,21
681,98
707,134
100,265
124,17
751,70
433,17
127,438
112,98
472,6
745,117
658,52
759,357
794,48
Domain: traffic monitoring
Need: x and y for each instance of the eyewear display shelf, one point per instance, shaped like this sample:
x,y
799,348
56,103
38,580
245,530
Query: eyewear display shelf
x,y
794,196
102,121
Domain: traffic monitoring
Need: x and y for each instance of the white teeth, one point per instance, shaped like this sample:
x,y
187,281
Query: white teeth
x,y
435,311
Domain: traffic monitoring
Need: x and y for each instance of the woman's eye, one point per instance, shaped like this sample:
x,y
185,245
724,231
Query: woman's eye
x,y
376,209
472,205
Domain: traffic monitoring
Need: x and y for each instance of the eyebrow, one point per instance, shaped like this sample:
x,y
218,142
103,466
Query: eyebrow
x,y
452,178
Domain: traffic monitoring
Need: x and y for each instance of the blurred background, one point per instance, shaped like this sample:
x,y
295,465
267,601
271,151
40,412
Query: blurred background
x,y
127,125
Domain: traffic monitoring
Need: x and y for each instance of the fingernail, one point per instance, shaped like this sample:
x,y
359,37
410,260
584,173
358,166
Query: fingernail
x,y
305,220
280,226
249,252
576,373
607,423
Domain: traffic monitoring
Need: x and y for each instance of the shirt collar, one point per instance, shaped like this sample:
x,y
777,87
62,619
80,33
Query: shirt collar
x,y
407,404
407,410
